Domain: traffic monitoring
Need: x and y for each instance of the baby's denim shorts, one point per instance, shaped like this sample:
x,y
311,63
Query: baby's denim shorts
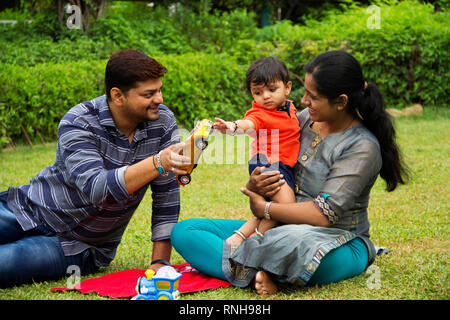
x,y
260,160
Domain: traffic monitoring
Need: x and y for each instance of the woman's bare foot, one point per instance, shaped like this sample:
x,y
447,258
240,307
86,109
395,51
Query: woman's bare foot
x,y
263,284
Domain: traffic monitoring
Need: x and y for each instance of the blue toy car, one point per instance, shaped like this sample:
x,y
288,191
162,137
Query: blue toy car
x,y
154,287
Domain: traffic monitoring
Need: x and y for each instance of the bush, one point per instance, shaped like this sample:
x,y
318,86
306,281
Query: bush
x,y
196,86
32,53
208,54
203,86
38,97
407,57
155,31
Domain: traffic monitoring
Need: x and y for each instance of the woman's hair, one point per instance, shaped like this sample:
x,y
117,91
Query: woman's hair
x,y
126,67
265,71
338,72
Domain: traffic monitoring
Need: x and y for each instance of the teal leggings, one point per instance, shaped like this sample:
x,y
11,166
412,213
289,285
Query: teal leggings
x,y
200,241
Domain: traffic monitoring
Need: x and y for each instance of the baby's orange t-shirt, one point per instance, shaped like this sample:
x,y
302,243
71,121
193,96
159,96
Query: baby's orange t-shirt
x,y
277,132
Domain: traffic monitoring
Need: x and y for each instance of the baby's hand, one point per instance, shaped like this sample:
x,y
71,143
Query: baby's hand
x,y
224,126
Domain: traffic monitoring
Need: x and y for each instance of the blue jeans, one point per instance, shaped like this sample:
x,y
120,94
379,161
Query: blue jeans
x,y
200,241
33,255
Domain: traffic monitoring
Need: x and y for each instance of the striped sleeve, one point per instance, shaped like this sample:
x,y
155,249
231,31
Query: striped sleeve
x,y
85,165
171,134
165,189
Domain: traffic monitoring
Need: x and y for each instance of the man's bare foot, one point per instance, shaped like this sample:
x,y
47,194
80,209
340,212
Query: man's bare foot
x,y
263,284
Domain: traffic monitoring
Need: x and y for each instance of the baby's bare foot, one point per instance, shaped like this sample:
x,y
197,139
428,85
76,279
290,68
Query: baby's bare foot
x,y
263,284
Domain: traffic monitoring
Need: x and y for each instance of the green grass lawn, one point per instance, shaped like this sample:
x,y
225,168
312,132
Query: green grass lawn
x,y
412,221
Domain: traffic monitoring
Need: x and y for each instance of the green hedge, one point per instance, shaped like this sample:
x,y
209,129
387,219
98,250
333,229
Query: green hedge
x,y
203,86
196,86
154,31
38,97
407,57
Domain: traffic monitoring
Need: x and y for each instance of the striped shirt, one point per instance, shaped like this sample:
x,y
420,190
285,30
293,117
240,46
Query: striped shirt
x,y
82,197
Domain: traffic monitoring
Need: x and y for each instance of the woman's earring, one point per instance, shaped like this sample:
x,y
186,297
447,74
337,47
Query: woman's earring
x,y
339,108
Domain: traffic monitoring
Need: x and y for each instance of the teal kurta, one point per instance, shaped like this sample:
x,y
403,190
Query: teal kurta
x,y
337,173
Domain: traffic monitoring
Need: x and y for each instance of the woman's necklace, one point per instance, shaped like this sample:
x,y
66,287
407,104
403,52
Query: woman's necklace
x,y
318,139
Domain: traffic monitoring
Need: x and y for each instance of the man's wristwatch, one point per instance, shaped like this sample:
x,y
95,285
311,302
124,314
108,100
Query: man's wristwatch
x,y
266,211
159,165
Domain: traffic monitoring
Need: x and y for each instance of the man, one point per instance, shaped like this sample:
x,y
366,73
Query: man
x,y
110,149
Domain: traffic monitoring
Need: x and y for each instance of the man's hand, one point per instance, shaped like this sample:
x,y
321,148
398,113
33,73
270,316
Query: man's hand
x,y
172,160
266,183
141,173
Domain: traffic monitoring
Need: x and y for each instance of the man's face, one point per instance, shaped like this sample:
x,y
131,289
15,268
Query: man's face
x,y
141,103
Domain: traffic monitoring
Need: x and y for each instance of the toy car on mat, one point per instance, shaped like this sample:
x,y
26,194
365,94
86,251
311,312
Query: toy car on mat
x,y
195,144
158,287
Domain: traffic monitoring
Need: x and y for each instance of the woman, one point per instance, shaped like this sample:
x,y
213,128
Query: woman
x,y
347,139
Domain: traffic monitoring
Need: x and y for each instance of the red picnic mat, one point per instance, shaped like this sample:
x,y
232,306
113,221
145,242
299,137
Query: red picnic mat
x,y
122,284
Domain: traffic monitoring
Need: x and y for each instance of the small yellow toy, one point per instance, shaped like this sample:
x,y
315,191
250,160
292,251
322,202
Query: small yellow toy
x,y
195,144
149,273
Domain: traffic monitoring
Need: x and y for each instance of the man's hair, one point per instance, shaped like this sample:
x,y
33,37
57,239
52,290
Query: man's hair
x,y
126,67
265,71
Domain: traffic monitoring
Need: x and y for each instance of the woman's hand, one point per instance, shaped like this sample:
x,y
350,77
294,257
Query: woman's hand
x,y
266,183
289,213
172,160
257,203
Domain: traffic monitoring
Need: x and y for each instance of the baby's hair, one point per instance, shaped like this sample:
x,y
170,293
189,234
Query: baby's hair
x,y
265,71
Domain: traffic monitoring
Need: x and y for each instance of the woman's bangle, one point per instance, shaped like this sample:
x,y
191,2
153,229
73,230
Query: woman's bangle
x,y
258,233
239,233
266,211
